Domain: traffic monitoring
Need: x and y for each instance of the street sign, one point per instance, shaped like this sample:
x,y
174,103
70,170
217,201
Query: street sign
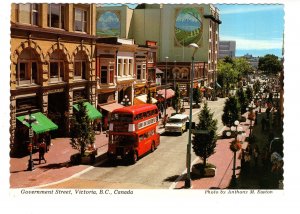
x,y
30,133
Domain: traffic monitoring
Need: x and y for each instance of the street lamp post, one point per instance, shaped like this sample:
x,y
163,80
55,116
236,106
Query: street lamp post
x,y
188,157
30,120
174,75
126,101
166,76
234,129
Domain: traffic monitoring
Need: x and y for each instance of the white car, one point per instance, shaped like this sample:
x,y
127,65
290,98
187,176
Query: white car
x,y
177,124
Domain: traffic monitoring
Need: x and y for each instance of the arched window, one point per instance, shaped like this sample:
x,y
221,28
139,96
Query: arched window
x,y
57,66
80,66
27,67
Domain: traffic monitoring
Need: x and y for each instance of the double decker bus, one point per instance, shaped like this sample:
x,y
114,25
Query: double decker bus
x,y
132,132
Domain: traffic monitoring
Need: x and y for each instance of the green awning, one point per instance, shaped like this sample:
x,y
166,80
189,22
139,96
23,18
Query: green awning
x,y
44,123
92,112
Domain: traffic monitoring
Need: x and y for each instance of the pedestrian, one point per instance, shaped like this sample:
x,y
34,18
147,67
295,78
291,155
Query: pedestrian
x,y
48,141
42,149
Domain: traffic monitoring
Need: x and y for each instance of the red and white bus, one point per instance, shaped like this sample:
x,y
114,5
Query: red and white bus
x,y
132,132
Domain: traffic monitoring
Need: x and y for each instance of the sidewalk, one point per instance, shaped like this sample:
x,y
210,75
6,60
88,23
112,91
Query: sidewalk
x,y
57,167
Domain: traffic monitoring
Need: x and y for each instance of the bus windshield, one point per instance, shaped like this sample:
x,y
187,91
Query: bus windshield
x,y
121,117
123,139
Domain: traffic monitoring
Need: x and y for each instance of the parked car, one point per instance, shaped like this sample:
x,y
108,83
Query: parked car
x,y
177,124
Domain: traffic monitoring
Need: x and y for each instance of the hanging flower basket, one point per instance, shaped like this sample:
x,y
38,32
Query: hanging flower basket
x,y
235,146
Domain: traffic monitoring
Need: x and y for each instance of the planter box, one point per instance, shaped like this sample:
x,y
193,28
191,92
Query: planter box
x,y
208,172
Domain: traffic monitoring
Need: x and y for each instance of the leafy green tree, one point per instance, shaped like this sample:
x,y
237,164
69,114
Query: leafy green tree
x,y
228,59
176,103
204,144
196,96
81,132
249,93
270,64
242,66
242,100
231,111
227,76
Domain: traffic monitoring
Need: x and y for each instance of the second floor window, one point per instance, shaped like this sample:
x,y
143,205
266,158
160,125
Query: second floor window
x,y
103,74
80,20
56,71
27,72
80,70
141,72
56,16
107,73
28,14
125,66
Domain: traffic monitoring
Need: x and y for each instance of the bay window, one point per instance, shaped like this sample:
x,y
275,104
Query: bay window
x,y
125,66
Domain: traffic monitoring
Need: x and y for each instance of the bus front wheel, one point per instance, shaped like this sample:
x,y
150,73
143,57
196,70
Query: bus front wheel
x,y
152,147
134,157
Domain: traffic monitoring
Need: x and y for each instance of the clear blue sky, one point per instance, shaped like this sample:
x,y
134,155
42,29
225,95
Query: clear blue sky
x,y
257,29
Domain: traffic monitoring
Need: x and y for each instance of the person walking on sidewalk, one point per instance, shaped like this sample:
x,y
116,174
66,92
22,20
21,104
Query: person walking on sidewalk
x,y
42,150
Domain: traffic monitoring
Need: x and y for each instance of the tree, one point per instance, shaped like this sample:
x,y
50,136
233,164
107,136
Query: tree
x,y
242,99
227,76
196,96
176,103
242,66
81,132
249,93
231,111
270,64
204,144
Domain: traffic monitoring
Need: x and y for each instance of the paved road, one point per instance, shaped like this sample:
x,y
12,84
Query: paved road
x,y
156,170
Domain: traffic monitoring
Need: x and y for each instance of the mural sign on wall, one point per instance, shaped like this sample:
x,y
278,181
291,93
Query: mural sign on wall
x,y
188,26
108,24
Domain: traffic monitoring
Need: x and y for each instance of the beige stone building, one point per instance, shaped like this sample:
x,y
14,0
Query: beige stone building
x,y
52,63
